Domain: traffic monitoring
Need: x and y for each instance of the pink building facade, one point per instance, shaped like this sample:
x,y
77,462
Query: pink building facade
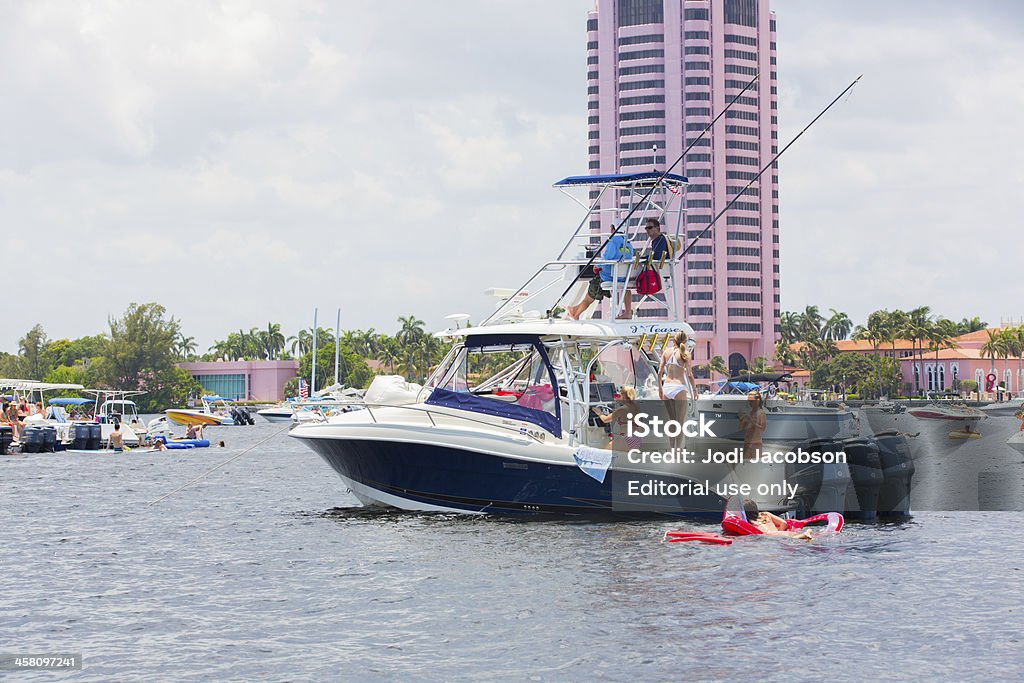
x,y
244,380
659,71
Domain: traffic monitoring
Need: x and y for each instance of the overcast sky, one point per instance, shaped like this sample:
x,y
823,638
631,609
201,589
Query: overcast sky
x,y
243,162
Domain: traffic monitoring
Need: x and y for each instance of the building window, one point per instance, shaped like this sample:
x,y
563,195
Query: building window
x,y
699,265
634,146
698,111
740,175
640,54
744,296
742,161
745,115
594,149
698,158
698,219
593,90
700,249
741,54
592,45
698,96
742,40
744,282
746,206
228,386
745,312
742,12
740,69
591,24
697,35
641,99
699,280
592,120
744,327
752,267
742,220
639,40
698,80
697,14
698,188
736,189
743,236
700,296
702,310
698,172
740,130
645,69
697,66
743,251
742,144
642,161
637,12
591,75
698,203
703,327
593,135
634,115
641,85
642,130
697,50
591,60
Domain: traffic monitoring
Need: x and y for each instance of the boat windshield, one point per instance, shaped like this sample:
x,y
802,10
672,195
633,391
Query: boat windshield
x,y
506,379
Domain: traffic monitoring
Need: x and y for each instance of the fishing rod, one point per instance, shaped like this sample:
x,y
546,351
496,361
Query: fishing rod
x,y
657,183
766,167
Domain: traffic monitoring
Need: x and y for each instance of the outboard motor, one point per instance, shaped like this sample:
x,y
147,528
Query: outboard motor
x,y
80,436
807,479
6,437
897,464
248,416
49,439
31,440
835,478
95,436
236,416
866,472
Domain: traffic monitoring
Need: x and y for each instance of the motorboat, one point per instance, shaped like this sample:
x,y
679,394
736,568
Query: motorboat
x,y
510,420
282,412
216,410
318,407
1003,408
952,412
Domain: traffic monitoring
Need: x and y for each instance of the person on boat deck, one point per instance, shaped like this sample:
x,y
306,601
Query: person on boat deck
x,y
769,524
194,432
617,249
753,423
621,417
116,440
659,242
14,420
673,373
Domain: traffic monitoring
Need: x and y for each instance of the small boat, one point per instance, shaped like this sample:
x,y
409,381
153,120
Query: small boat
x,y
954,412
1004,408
282,412
215,411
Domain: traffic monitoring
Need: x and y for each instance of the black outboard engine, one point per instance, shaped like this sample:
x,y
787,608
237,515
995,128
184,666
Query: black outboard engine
x,y
248,416
31,440
49,439
6,437
827,485
95,436
866,472
897,470
80,437
236,416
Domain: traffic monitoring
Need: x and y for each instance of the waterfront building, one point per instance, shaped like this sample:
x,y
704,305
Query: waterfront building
x,y
658,72
940,373
258,380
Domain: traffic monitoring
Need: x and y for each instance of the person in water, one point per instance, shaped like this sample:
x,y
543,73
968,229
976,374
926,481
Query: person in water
x,y
769,524
194,432
116,441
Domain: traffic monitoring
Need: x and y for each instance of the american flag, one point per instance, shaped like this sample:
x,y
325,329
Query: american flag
x,y
303,389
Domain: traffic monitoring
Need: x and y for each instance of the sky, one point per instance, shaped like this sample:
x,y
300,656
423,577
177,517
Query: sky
x,y
244,162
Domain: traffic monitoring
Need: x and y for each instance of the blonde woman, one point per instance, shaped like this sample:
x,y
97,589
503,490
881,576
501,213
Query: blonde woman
x,y
674,372
621,417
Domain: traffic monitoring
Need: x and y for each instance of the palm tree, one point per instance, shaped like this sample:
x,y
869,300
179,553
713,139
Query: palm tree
x,y
1009,346
186,346
409,337
991,349
302,343
789,326
838,325
918,324
274,340
874,333
811,323
717,365
975,324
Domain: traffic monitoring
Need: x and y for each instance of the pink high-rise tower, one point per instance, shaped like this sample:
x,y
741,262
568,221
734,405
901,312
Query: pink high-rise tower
x,y
658,72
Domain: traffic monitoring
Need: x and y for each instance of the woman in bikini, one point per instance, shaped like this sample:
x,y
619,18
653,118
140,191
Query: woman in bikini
x,y
673,374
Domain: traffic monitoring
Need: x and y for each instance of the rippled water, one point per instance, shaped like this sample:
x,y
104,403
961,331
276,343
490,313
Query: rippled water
x,y
267,569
